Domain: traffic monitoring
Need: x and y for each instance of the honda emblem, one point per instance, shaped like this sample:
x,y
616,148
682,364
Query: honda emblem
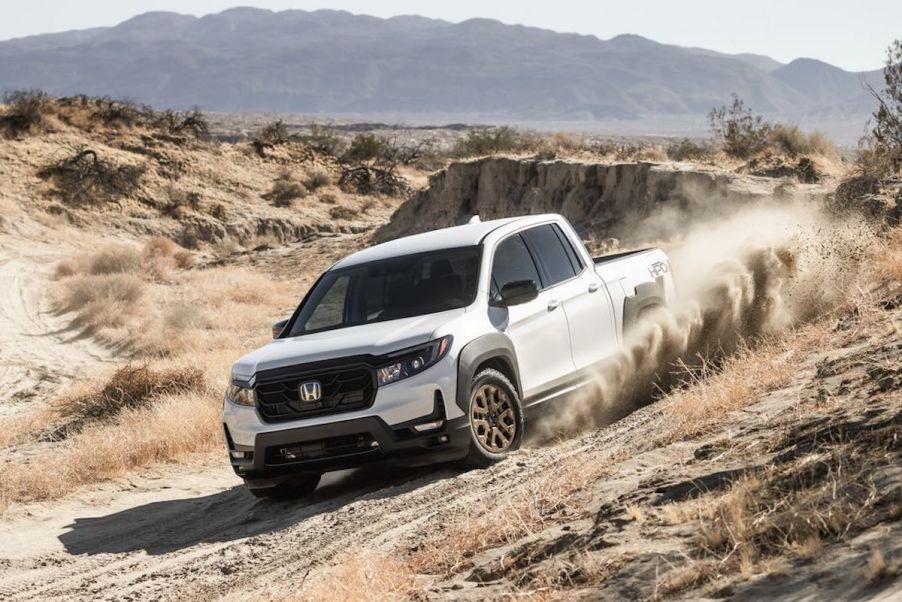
x,y
310,391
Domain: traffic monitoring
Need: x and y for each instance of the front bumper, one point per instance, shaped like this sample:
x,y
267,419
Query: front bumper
x,y
382,433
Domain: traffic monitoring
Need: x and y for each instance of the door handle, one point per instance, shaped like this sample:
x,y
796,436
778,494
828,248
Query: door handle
x,y
553,304
594,286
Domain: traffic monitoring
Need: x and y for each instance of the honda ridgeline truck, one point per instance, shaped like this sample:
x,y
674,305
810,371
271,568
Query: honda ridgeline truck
x,y
432,348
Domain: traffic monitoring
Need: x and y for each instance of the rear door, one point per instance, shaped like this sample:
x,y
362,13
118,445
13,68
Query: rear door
x,y
538,328
580,291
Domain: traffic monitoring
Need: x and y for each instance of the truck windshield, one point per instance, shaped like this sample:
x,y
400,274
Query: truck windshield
x,y
391,289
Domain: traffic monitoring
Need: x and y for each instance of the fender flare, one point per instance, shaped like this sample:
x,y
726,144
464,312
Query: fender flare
x,y
492,346
647,295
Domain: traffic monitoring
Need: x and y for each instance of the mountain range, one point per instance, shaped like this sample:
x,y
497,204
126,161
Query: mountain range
x,y
337,63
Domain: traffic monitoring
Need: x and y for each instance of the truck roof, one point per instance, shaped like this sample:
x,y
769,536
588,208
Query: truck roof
x,y
434,240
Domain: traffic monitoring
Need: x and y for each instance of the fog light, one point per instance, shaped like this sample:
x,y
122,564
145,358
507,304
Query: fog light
x,y
443,438
374,444
428,426
240,455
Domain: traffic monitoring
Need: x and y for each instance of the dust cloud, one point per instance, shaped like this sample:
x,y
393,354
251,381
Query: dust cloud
x,y
757,272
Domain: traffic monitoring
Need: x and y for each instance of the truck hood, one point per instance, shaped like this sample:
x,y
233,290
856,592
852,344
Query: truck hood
x,y
377,338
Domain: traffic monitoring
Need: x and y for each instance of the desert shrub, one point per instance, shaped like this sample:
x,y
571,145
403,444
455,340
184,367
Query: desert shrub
x,y
106,290
741,132
274,133
86,179
25,111
489,141
365,179
158,247
270,136
317,177
183,259
218,211
122,113
328,197
192,122
115,259
365,148
884,155
324,140
794,142
180,201
342,212
285,190
189,237
131,386
689,150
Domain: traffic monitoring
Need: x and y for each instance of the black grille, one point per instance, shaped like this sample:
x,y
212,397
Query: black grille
x,y
324,449
343,389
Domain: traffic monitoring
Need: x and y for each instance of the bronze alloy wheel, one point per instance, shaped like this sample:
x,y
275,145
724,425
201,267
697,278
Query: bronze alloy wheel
x,y
492,419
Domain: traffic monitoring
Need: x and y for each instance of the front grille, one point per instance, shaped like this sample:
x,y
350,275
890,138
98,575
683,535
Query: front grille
x,y
324,449
343,389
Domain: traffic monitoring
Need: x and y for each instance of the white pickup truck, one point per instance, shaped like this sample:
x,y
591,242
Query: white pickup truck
x,y
431,348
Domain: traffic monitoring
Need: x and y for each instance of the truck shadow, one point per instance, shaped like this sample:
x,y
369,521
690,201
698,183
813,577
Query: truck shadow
x,y
171,525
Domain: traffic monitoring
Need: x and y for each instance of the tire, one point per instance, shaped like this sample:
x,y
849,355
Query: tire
x,y
297,487
495,417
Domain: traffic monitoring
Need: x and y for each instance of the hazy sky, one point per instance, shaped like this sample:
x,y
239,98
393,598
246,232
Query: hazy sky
x,y
850,34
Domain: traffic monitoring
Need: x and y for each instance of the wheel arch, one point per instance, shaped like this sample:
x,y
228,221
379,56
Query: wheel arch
x,y
647,295
494,350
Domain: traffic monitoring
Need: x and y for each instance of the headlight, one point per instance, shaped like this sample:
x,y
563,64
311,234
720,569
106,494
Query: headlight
x,y
413,361
241,396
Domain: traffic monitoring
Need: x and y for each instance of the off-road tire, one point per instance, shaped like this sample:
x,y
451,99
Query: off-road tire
x,y
297,487
492,439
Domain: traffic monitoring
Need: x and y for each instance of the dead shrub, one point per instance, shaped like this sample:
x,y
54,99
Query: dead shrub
x,y
103,289
218,211
328,197
364,179
323,139
131,386
317,178
193,123
159,247
179,201
343,212
183,259
86,179
794,142
690,150
25,112
285,190
115,259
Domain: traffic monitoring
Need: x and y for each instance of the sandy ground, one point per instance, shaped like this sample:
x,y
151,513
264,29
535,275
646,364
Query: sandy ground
x,y
179,533
42,351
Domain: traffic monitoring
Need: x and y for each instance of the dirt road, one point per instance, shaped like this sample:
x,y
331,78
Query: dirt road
x,y
41,351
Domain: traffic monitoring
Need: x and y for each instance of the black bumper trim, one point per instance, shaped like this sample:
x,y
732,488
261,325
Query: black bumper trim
x,y
395,447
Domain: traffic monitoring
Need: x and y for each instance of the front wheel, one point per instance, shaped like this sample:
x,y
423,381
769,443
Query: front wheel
x,y
496,419
288,490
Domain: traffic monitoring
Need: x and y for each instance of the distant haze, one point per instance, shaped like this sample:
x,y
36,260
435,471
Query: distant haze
x,y
414,68
851,35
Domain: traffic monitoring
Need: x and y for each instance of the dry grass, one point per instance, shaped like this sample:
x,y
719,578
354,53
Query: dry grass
x,y
186,327
887,259
175,426
741,378
359,575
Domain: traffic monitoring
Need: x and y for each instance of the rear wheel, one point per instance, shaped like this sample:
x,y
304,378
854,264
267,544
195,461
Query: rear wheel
x,y
496,419
288,490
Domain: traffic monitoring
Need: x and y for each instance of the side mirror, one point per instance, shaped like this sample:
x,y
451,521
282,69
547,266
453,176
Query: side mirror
x,y
516,293
278,327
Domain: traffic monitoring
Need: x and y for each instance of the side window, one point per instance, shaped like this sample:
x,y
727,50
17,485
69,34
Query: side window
x,y
572,253
513,262
550,253
330,311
